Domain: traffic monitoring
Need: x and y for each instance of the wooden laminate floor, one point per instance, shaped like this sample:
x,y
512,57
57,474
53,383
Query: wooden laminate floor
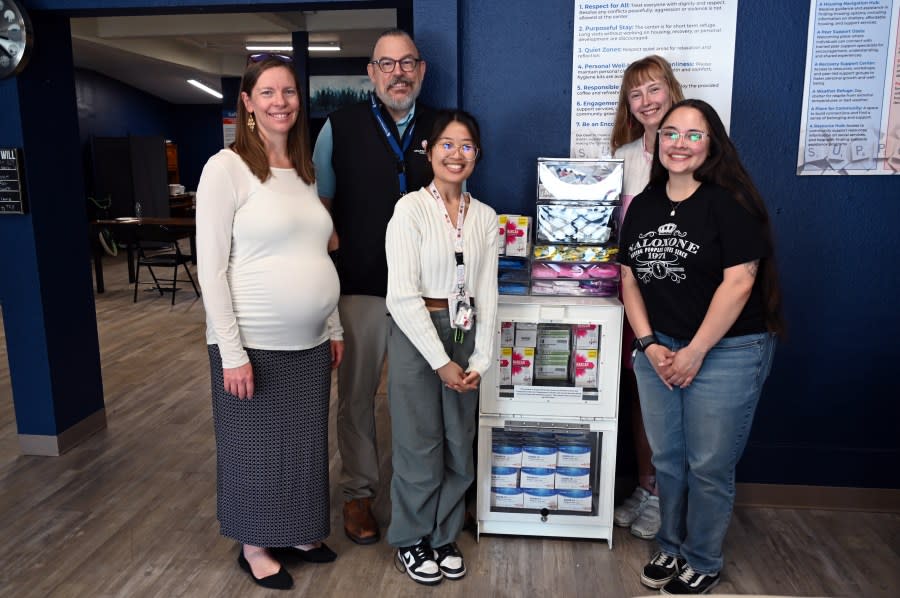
x,y
131,511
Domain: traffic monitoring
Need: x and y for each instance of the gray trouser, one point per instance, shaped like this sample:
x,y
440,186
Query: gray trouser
x,y
432,432
365,322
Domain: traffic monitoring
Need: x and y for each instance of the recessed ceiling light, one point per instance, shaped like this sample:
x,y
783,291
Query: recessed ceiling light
x,y
203,87
324,47
269,48
312,47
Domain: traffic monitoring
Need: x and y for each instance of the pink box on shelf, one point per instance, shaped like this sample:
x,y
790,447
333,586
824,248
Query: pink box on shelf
x,y
523,365
587,336
585,364
518,234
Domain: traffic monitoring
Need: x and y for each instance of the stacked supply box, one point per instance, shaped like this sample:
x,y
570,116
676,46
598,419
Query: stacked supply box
x,y
513,275
576,227
548,417
538,470
549,354
516,361
585,360
514,247
553,354
518,340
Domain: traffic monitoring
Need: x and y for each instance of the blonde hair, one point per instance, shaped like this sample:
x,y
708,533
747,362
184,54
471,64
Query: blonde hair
x,y
626,128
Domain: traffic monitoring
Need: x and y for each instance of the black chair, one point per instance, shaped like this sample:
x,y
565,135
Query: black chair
x,y
157,247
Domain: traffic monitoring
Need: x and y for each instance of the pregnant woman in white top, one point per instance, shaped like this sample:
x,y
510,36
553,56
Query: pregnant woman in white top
x,y
270,292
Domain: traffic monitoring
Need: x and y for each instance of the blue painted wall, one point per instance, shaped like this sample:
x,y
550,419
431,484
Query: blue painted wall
x,y
830,411
110,108
20,289
197,130
45,280
832,407
829,415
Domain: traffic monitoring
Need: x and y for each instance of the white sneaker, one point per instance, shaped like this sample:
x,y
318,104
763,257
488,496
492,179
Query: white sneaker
x,y
450,560
630,509
647,523
418,562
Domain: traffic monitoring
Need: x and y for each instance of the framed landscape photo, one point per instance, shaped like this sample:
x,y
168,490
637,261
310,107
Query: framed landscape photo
x,y
327,93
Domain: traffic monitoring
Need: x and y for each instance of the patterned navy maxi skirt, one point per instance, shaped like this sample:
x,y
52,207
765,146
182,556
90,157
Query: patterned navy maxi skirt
x,y
272,450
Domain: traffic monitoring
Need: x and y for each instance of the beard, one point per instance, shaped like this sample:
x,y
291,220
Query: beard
x,y
402,104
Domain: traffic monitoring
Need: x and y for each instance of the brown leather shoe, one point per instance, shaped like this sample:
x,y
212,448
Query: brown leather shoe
x,y
359,523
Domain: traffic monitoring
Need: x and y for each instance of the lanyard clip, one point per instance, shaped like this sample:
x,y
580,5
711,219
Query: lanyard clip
x,y
401,166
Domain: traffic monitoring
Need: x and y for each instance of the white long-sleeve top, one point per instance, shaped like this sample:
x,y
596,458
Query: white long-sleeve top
x,y
262,261
637,170
421,263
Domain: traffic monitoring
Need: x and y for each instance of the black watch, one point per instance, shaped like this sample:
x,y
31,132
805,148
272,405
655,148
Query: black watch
x,y
641,344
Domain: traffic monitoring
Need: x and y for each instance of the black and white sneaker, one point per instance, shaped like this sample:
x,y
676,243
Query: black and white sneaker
x,y
689,582
450,560
661,569
419,563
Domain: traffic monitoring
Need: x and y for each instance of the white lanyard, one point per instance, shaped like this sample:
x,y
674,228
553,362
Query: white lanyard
x,y
456,234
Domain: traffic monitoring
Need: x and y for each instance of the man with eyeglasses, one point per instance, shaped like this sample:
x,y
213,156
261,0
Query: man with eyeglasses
x,y
367,156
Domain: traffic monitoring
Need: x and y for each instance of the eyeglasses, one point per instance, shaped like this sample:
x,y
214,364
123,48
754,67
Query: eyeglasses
x,y
469,151
672,135
265,56
387,65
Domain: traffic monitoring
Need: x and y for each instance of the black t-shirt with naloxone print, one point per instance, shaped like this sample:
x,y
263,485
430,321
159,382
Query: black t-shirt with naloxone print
x,y
679,260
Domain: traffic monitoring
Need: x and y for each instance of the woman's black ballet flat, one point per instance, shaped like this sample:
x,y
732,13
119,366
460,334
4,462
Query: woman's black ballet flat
x,y
321,554
277,581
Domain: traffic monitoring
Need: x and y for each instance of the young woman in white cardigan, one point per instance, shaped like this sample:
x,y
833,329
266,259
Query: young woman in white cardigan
x,y
441,248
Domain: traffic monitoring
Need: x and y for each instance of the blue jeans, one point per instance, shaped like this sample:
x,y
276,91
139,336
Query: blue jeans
x,y
697,435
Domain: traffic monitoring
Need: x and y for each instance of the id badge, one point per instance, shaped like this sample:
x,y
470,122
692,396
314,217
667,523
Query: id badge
x,y
462,314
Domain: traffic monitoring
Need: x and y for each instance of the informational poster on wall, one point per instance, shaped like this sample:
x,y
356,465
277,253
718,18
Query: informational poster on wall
x,y
695,36
229,127
850,122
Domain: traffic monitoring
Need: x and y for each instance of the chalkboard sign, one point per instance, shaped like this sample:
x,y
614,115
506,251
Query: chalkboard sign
x,y
12,187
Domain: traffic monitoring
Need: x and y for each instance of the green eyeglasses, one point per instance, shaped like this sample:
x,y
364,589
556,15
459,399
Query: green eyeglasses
x,y
672,135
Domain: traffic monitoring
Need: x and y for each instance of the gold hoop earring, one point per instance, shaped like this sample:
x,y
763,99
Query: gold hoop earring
x,y
251,123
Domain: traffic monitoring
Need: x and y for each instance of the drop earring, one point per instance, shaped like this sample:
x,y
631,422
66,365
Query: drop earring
x,y
251,123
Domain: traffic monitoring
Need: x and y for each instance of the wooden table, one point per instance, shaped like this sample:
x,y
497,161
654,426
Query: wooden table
x,y
181,205
125,231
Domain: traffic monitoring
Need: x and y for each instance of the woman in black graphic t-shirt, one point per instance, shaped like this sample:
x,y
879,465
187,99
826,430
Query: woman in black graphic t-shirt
x,y
701,293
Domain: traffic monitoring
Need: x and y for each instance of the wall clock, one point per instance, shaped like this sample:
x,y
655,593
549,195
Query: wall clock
x,y
16,37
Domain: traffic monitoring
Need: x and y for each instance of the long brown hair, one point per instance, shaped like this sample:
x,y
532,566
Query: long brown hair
x,y
626,128
249,145
723,167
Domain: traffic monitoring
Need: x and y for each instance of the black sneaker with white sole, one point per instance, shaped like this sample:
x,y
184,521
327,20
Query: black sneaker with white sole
x,y
450,560
419,563
661,569
689,583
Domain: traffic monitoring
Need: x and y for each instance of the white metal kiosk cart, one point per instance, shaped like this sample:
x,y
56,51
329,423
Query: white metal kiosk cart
x,y
547,442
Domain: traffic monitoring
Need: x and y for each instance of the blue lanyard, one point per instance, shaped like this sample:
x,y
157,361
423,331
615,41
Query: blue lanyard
x,y
392,141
